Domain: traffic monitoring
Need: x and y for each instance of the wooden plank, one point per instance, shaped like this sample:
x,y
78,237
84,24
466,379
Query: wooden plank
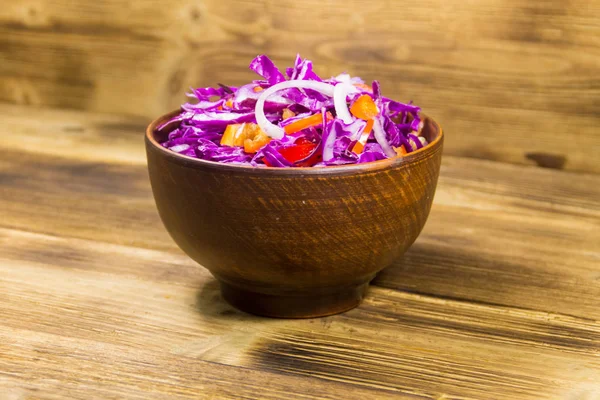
x,y
104,138
149,324
96,301
476,245
507,79
38,365
498,233
107,202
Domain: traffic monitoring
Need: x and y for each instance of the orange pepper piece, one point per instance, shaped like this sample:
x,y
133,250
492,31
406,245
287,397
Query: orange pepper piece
x,y
360,144
364,87
248,135
256,142
313,120
369,126
231,133
364,108
257,89
401,151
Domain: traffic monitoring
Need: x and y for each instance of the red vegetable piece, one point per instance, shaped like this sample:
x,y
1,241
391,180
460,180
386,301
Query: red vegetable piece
x,y
302,153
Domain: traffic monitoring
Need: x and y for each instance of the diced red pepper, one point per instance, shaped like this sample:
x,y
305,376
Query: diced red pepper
x,y
297,152
301,149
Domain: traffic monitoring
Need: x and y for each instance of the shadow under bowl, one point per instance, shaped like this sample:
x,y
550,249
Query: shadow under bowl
x,y
294,242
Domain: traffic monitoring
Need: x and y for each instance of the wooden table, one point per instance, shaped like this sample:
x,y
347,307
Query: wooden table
x,y
499,298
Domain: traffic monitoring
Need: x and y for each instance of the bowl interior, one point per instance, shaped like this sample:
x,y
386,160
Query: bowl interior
x,y
431,131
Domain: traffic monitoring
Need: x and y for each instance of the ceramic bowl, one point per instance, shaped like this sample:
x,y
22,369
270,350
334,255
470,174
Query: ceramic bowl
x,y
294,242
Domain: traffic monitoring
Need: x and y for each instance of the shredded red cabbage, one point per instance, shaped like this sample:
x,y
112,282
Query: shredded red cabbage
x,y
303,125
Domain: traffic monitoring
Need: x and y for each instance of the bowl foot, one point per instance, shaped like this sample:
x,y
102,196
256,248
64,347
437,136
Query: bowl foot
x,y
311,305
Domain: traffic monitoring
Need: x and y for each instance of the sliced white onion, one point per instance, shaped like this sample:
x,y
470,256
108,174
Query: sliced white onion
x,y
328,146
180,147
381,139
343,78
348,79
340,93
358,126
275,131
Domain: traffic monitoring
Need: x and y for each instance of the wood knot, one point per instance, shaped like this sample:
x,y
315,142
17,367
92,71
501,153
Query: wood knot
x,y
195,14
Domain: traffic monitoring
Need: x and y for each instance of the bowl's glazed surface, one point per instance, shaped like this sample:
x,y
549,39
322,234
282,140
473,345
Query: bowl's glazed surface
x,y
294,242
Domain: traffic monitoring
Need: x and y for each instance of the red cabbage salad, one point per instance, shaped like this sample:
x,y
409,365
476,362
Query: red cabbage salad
x,y
294,120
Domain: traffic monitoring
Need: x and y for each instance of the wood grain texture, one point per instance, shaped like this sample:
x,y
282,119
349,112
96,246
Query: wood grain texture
x,y
512,81
53,195
130,329
498,298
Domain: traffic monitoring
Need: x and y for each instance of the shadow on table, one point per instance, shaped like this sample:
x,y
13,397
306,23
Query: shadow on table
x,y
457,272
425,269
211,304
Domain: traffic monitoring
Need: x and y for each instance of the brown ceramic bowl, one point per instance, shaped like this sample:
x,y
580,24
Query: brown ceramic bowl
x,y
294,242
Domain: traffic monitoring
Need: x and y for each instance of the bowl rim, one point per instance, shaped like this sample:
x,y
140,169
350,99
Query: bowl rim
x,y
387,163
